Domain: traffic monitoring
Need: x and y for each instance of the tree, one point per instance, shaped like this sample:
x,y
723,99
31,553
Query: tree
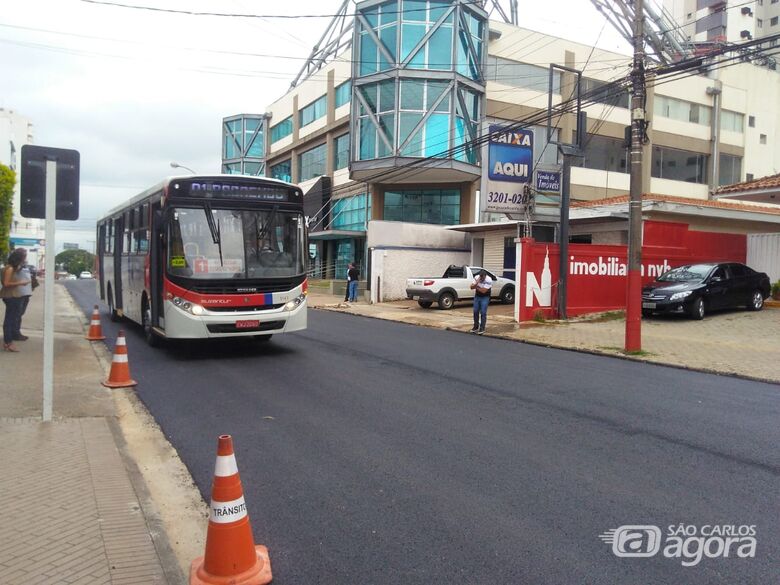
x,y
7,183
76,261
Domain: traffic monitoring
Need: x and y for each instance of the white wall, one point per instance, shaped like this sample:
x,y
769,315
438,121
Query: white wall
x,y
763,254
391,267
402,234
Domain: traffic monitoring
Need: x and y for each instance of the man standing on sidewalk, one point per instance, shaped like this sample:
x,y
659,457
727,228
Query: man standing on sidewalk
x,y
481,287
354,278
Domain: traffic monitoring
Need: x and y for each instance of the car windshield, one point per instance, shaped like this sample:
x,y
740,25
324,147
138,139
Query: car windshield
x,y
238,244
691,273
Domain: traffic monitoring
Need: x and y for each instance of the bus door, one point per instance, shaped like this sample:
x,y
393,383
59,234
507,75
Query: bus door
x,y
119,246
156,263
101,246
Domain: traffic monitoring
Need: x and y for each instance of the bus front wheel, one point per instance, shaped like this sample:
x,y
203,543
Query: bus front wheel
x,y
146,316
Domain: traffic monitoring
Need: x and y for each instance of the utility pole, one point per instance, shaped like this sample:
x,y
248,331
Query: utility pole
x,y
633,340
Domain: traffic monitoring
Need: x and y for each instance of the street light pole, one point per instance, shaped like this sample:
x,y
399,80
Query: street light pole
x,y
176,165
633,338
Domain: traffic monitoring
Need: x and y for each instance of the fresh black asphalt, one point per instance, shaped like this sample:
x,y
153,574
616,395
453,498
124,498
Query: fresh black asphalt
x,y
374,452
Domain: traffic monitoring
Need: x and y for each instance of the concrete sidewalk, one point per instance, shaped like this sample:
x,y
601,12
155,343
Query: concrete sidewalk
x,y
741,343
77,510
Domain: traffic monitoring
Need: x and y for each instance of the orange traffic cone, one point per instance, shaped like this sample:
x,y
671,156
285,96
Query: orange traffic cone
x,y
119,376
231,555
95,332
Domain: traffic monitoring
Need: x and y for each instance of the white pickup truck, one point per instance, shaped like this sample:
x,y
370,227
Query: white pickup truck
x,y
454,286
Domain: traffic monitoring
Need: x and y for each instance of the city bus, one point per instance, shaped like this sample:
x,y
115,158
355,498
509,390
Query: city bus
x,y
206,256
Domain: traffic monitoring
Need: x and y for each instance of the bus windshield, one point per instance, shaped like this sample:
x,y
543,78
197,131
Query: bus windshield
x,y
238,244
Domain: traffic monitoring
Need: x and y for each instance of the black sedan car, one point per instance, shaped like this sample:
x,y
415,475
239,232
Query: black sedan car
x,y
695,289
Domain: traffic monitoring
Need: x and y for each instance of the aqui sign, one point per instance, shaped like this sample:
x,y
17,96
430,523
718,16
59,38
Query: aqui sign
x,y
509,169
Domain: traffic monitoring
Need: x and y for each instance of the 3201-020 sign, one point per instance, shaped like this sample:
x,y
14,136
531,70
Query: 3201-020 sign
x,y
514,198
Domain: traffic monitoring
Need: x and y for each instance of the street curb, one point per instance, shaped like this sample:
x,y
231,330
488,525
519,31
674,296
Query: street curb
x,y
566,348
168,560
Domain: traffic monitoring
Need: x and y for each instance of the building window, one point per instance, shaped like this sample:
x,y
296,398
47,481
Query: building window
x,y
312,163
253,137
417,19
679,165
383,19
752,121
730,169
282,129
682,110
341,152
282,171
749,176
438,206
732,121
604,154
762,138
232,139
418,97
759,23
351,213
232,168
343,93
605,93
516,74
773,21
314,111
380,98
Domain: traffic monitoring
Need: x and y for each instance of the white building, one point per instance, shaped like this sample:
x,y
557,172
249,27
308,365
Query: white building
x,y
16,131
725,20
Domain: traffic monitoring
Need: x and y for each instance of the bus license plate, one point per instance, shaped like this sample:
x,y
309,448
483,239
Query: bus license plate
x,y
247,324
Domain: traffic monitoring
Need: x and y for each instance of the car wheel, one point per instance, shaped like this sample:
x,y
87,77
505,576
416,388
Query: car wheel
x,y
756,301
508,295
146,317
425,304
697,309
446,301
112,314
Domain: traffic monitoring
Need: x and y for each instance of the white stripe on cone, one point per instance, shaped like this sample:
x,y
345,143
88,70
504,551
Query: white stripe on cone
x,y
226,512
225,466
121,341
119,359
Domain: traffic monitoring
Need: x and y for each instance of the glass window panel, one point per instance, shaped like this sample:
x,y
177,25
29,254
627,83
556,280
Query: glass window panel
x,y
368,55
367,139
393,213
387,96
679,165
253,168
730,169
604,154
437,9
387,122
437,134
450,214
282,171
411,34
372,16
343,93
312,163
412,91
435,89
450,197
462,50
388,13
341,152
369,92
440,49
414,10
387,35
392,198
282,129
407,123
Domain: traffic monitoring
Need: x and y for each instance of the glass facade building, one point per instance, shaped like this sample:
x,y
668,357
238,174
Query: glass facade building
x,y
243,145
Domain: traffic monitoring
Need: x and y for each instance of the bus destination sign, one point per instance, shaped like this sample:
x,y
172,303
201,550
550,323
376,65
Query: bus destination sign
x,y
232,190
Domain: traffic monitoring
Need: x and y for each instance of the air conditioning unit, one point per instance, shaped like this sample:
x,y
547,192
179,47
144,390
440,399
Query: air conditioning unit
x,y
745,34
747,10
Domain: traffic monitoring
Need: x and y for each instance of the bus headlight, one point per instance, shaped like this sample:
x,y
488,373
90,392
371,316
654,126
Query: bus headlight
x,y
184,305
295,303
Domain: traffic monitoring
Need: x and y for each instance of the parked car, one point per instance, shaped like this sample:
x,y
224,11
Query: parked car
x,y
85,274
69,277
453,286
695,289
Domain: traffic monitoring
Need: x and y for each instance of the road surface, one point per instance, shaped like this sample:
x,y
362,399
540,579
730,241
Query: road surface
x,y
374,452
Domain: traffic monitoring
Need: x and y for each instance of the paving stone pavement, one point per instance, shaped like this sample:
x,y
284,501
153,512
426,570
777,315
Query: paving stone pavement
x,y
72,509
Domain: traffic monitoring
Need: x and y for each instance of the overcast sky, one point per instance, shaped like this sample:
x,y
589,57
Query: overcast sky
x,y
133,90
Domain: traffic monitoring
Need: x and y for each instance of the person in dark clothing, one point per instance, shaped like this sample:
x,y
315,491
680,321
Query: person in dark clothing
x,y
346,289
481,287
352,288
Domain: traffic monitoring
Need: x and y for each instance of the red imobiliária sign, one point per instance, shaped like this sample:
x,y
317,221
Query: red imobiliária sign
x,y
597,273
